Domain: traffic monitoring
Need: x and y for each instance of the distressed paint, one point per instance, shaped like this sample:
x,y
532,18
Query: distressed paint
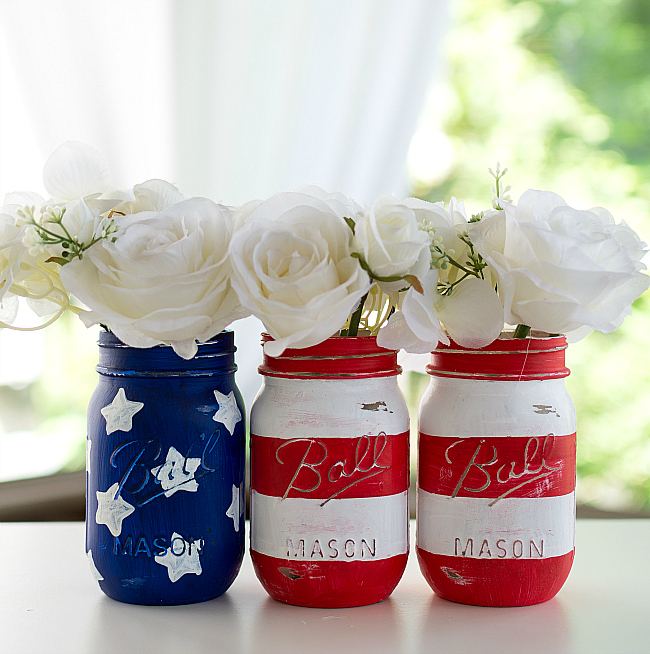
x,y
496,474
329,477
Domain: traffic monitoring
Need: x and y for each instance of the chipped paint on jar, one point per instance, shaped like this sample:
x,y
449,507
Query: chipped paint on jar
x,y
165,473
496,473
330,475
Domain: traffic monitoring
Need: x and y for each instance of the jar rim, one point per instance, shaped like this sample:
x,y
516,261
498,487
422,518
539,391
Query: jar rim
x,y
363,357
505,359
214,357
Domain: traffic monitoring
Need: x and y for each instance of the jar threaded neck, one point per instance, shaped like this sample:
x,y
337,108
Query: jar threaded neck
x,y
506,359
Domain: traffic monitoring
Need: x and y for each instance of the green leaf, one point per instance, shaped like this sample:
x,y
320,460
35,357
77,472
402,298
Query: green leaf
x,y
60,260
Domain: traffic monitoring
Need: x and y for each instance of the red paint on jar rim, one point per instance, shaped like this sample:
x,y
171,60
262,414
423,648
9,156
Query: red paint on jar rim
x,y
506,359
339,357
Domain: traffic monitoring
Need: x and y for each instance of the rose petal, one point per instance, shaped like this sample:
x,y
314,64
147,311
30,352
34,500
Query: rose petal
x,y
472,314
75,170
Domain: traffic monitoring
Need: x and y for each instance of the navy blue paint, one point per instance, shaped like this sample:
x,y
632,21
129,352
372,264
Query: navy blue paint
x,y
179,403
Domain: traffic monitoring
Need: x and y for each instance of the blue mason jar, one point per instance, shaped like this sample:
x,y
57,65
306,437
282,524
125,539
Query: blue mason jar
x,y
165,473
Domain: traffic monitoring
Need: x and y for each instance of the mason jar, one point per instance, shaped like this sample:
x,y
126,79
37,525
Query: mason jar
x,y
497,472
165,473
330,474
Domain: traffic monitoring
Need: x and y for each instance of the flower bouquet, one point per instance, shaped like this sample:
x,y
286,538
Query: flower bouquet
x,y
339,288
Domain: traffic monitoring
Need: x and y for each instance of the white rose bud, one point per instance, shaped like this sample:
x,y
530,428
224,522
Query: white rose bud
x,y
387,237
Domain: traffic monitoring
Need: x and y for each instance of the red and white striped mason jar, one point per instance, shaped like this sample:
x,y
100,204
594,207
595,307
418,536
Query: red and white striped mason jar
x,y
330,474
496,473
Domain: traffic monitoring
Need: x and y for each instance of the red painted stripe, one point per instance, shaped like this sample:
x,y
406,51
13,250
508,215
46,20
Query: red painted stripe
x,y
331,584
506,359
497,466
330,468
495,582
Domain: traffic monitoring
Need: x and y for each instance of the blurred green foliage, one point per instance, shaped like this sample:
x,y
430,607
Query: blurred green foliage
x,y
559,92
603,49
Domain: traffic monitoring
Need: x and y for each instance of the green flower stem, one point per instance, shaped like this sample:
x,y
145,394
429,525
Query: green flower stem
x,y
453,262
446,290
355,318
521,331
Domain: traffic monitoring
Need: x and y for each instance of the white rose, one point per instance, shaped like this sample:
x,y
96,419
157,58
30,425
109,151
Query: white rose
x,y
293,269
561,270
472,316
12,251
341,205
24,271
164,280
387,237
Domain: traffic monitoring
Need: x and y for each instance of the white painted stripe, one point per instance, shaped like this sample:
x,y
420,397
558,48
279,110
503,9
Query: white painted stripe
x,y
468,407
513,527
326,408
350,529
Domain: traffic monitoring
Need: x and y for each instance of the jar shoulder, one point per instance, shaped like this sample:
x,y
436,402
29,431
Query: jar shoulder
x,y
462,407
290,408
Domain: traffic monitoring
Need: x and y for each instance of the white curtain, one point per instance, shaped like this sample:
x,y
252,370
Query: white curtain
x,y
231,99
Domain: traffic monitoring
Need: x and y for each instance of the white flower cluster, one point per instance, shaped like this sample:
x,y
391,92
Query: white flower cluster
x,y
155,267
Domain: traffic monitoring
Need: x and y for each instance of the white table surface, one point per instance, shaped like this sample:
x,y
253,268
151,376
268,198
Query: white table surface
x,y
49,603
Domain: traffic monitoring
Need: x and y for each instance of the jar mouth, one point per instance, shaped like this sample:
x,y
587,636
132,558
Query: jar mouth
x,y
338,357
505,359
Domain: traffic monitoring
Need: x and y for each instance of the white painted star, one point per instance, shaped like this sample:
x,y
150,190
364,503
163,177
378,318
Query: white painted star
x,y
119,413
181,558
97,575
111,510
177,473
228,413
237,506
89,444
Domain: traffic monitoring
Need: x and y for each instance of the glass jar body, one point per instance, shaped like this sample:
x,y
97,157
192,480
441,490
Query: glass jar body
x,y
496,482
165,473
329,485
